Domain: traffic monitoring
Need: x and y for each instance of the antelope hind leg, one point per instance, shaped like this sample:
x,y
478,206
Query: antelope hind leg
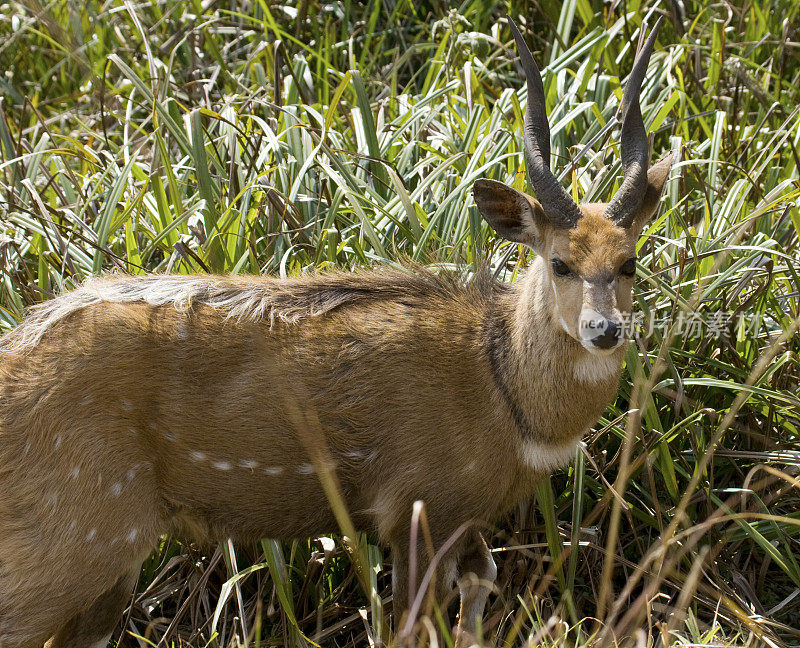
x,y
34,615
93,627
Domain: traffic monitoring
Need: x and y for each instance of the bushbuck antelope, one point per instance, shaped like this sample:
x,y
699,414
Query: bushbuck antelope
x,y
134,407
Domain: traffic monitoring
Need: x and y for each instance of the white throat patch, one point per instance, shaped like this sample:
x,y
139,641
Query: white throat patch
x,y
545,457
596,367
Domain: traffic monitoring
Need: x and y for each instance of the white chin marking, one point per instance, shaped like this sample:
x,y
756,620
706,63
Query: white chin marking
x,y
544,457
598,351
595,367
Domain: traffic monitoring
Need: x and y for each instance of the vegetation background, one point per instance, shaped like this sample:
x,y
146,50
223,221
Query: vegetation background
x,y
254,137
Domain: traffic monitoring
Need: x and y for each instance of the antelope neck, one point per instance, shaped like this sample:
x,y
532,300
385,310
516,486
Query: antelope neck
x,y
537,367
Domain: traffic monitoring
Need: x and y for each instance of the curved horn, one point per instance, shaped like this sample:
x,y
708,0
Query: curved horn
x,y
558,205
634,143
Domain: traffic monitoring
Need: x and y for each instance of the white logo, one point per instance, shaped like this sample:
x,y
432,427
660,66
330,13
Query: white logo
x,y
592,324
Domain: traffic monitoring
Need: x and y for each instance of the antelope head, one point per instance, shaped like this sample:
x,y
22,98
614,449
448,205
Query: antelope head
x,y
589,249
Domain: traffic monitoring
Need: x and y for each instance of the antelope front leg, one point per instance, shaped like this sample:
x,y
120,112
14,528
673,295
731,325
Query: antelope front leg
x,y
477,574
438,591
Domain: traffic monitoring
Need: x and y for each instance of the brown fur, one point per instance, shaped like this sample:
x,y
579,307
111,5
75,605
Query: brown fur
x,y
134,407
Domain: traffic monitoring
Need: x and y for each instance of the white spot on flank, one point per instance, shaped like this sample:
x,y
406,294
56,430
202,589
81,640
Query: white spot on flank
x,y
132,535
75,472
471,466
594,367
273,470
130,474
196,455
249,464
222,465
116,489
126,404
305,469
169,436
91,535
58,441
72,525
544,457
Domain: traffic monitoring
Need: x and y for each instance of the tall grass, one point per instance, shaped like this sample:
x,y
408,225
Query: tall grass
x,y
252,137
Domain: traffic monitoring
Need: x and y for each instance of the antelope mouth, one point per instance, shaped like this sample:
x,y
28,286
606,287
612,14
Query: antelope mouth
x,y
600,351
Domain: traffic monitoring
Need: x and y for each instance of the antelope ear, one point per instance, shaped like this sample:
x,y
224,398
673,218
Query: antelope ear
x,y
513,215
656,179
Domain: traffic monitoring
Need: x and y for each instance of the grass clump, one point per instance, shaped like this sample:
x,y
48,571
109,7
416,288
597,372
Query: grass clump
x,y
252,137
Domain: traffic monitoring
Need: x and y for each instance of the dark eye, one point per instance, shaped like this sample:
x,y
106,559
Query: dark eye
x,y
628,268
560,268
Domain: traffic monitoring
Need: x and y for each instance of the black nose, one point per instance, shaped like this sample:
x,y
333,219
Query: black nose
x,y
609,338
